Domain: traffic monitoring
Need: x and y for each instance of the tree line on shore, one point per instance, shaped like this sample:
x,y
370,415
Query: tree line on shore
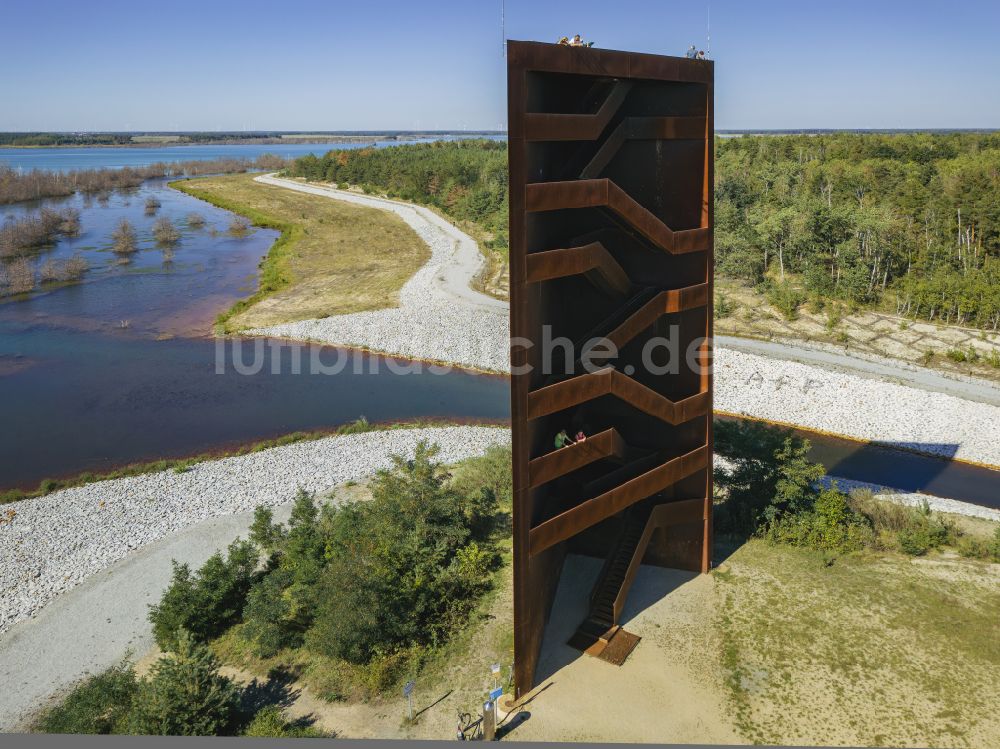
x,y
465,179
908,222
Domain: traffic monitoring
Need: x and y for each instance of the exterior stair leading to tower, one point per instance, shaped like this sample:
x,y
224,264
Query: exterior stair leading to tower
x,y
600,635
612,578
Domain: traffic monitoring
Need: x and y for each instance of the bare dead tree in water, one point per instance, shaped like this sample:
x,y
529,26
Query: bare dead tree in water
x,y
239,227
74,268
125,241
16,186
17,277
165,233
21,236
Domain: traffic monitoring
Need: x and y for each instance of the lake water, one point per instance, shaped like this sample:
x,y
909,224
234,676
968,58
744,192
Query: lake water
x,y
77,401
121,367
163,290
112,157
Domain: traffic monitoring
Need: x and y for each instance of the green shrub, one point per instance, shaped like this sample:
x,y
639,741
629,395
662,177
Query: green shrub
x,y
358,426
270,723
771,475
830,526
98,705
185,695
724,306
281,607
924,534
786,298
403,568
490,471
912,530
265,534
207,602
268,616
885,517
981,548
974,547
834,316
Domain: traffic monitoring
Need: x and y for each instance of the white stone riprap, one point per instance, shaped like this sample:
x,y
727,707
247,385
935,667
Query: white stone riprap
x,y
440,317
52,543
861,407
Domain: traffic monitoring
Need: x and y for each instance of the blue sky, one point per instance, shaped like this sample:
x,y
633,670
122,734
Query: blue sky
x,y
437,64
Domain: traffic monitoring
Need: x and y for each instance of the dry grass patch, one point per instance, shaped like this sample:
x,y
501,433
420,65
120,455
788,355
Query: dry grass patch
x,y
870,651
333,258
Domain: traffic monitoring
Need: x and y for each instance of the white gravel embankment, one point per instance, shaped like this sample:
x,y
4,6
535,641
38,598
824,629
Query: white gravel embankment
x,y
858,406
439,317
52,543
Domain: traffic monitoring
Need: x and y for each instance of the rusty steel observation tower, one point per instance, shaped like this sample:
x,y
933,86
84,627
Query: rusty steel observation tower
x,y
611,159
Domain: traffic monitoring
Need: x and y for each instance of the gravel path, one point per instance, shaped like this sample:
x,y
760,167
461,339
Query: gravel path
x,y
53,543
439,316
94,625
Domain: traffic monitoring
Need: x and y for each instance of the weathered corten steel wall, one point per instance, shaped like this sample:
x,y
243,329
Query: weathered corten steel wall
x,y
611,157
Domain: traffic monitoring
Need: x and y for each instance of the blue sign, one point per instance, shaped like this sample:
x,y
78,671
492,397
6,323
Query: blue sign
x,y
408,688
496,694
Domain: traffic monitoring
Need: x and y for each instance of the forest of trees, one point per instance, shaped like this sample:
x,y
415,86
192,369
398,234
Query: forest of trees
x,y
466,179
907,221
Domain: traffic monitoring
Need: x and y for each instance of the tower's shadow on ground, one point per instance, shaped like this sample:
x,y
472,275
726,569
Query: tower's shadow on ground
x,y
572,602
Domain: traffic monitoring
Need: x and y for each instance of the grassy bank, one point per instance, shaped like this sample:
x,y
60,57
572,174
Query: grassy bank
x,y
332,258
464,181
180,465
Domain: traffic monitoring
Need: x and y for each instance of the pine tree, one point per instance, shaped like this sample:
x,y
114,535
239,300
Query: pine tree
x,y
185,695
